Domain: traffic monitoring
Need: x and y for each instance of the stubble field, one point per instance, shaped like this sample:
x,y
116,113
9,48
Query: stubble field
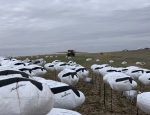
x,y
99,100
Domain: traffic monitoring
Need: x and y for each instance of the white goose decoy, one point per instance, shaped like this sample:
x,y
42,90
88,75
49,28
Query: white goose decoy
x,y
143,63
3,58
97,60
25,69
12,63
68,76
8,62
19,64
72,63
72,67
46,56
111,73
6,71
111,61
39,78
135,72
66,97
145,78
121,82
132,67
56,61
106,70
69,57
59,111
19,96
124,70
37,70
95,67
26,61
130,94
49,67
140,63
82,72
88,59
60,66
124,62
105,77
143,102
117,69
39,62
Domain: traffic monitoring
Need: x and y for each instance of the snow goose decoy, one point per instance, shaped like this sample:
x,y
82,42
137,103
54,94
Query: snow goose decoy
x,y
143,102
19,96
121,82
68,76
49,67
145,78
82,72
66,97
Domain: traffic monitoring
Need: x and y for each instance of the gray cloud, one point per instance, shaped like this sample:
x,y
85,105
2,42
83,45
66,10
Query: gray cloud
x,y
47,26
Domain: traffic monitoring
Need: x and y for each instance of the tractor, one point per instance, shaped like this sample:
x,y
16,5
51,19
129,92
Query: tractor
x,y
71,53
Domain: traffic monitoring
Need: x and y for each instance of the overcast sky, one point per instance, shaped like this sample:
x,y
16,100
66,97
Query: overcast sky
x,y
30,27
